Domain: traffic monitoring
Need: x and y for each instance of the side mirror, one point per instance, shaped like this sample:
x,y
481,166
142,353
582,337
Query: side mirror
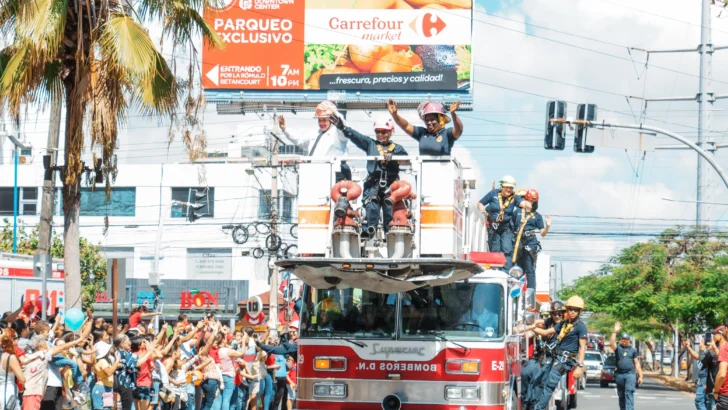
x,y
555,132
529,318
530,299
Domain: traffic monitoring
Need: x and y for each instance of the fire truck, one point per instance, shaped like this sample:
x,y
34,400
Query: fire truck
x,y
417,318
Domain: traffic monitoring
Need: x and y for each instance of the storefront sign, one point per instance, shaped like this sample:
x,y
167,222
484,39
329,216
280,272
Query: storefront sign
x,y
200,300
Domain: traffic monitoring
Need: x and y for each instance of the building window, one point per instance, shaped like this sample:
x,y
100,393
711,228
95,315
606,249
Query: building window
x,y
285,205
94,203
27,201
121,203
26,152
201,196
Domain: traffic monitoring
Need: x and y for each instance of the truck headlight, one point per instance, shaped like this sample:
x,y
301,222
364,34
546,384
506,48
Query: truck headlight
x,y
329,389
462,393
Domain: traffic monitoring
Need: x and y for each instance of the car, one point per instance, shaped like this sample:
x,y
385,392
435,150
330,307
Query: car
x,y
593,363
610,365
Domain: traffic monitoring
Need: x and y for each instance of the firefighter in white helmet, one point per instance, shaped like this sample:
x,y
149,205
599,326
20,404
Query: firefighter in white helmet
x,y
327,141
381,174
499,205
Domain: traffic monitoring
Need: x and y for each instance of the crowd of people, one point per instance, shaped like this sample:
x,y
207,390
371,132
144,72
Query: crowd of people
x,y
184,366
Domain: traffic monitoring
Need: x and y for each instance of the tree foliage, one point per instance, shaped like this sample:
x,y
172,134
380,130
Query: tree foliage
x,y
679,277
93,263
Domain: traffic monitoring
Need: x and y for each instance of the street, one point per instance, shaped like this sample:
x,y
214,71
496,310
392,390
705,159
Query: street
x,y
652,395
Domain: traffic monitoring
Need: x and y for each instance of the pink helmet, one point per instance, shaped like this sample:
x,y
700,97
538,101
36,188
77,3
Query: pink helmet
x,y
431,107
384,123
325,109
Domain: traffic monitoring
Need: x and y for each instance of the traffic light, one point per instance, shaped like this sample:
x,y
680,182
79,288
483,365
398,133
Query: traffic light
x,y
555,132
584,112
192,216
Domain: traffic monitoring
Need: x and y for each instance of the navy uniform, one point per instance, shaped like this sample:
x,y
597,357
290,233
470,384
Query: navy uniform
x,y
500,212
535,387
438,144
527,225
381,174
625,376
568,334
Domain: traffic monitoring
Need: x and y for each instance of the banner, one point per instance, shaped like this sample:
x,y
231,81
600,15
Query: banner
x,y
416,45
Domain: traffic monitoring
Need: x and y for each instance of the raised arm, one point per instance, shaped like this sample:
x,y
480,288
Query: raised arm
x,y
457,129
692,352
547,226
408,128
613,338
62,348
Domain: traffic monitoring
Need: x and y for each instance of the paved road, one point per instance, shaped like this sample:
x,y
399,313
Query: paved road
x,y
652,395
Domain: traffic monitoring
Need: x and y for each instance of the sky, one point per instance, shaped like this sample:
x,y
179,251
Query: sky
x,y
530,51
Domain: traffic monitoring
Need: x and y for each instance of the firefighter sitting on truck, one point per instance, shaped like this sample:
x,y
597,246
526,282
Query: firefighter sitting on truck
x,y
381,174
527,225
499,205
567,350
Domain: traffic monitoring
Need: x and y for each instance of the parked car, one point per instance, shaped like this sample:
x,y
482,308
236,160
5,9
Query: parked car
x,y
593,363
610,365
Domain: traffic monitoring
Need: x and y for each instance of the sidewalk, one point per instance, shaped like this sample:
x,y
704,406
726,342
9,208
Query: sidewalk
x,y
677,384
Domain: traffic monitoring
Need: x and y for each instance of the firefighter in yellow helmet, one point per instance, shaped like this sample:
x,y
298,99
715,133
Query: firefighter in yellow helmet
x,y
567,350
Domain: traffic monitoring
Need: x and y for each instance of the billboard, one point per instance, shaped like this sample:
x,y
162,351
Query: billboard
x,y
322,45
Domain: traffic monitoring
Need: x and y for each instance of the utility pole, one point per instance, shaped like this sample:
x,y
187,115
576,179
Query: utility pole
x,y
45,234
705,99
273,303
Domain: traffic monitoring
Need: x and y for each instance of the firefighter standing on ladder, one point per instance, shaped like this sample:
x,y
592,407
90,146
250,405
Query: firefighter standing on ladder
x,y
526,226
567,350
499,205
381,174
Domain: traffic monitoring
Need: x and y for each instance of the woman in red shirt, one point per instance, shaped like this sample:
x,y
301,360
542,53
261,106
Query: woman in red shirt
x,y
137,314
144,350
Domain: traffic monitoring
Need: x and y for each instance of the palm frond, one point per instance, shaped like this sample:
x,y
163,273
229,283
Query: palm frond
x,y
21,75
159,94
128,48
51,87
185,22
42,23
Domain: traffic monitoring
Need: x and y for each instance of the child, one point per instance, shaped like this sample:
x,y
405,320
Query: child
x,y
291,378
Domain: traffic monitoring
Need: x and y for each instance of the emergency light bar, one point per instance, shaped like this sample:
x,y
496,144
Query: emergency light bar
x,y
489,259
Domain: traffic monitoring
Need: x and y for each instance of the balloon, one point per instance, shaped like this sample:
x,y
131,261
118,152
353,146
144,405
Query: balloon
x,y
74,319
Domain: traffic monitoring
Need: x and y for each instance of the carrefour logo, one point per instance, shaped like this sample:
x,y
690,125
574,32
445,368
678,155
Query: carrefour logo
x,y
428,25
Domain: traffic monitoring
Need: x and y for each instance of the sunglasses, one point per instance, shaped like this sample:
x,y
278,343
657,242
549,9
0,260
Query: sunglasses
x,y
573,309
557,314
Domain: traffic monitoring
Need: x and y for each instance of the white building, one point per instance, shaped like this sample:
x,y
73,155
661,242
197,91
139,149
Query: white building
x,y
235,193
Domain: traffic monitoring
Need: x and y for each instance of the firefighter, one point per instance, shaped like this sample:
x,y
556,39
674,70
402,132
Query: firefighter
x,y
627,362
381,174
499,205
556,312
434,139
526,226
567,349
328,141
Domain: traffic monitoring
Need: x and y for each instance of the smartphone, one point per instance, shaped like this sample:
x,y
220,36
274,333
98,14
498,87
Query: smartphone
x,y
708,337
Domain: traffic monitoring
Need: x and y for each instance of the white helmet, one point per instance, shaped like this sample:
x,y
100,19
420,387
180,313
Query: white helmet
x,y
508,181
544,308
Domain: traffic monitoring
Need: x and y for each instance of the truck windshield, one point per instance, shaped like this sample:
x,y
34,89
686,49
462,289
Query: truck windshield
x,y
352,313
458,311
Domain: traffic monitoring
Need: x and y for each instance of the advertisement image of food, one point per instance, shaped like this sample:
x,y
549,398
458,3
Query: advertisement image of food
x,y
443,66
389,4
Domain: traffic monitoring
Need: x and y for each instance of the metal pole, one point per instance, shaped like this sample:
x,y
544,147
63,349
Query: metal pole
x,y
705,105
16,199
273,302
114,295
44,292
709,158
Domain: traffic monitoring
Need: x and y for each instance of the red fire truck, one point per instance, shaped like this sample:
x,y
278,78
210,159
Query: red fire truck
x,y
418,318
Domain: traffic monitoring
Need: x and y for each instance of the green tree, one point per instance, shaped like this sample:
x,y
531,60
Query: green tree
x,y
677,279
93,264
96,57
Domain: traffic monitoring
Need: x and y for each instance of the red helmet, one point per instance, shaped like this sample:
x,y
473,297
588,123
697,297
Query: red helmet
x,y
531,195
431,107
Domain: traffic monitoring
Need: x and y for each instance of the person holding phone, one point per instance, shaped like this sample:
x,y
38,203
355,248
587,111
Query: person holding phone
x,y
707,358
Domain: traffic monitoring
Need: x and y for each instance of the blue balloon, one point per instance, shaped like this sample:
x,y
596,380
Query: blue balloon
x,y
74,319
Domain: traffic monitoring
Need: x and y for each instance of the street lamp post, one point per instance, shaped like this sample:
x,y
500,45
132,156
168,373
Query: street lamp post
x,y
16,200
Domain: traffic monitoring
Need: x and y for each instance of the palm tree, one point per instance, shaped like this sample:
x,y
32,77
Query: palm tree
x,y
97,58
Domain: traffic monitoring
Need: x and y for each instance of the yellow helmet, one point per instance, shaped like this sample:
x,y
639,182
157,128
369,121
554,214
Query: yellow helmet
x,y
575,302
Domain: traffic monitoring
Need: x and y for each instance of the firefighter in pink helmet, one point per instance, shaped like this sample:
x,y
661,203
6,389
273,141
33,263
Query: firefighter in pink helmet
x,y
435,138
381,174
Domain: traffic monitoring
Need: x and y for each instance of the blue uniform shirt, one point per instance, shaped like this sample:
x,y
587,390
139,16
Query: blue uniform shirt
x,y
438,144
570,342
533,223
369,146
625,359
492,206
